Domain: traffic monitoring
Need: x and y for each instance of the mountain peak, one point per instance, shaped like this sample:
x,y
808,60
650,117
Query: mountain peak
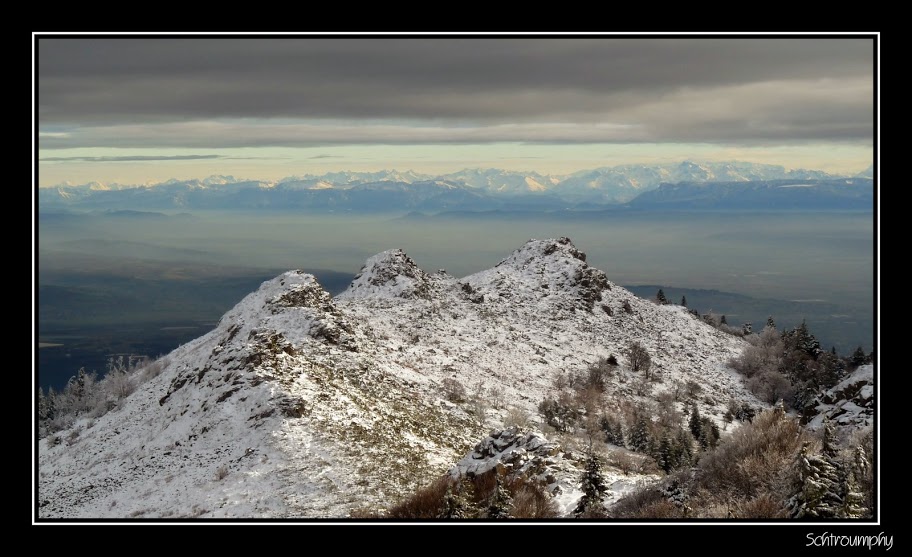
x,y
551,268
293,306
552,248
390,273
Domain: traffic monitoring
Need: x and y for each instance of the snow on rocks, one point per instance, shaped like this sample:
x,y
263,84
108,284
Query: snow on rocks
x,y
517,453
850,403
298,404
390,273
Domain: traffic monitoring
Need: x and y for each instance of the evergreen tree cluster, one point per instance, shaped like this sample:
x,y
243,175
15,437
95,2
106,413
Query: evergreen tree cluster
x,y
614,431
790,366
703,429
670,446
765,469
828,487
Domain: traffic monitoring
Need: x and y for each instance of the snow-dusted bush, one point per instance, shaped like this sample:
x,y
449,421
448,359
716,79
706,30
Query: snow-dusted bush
x,y
453,390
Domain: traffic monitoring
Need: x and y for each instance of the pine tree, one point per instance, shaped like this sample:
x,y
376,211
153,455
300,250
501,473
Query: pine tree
x,y
770,323
660,297
618,435
665,456
500,503
455,503
819,482
709,433
639,434
723,321
593,484
614,434
830,370
853,505
695,423
677,494
859,357
685,448
805,341
684,301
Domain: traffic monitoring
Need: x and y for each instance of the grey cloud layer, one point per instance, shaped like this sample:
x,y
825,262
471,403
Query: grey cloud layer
x,y
131,158
637,89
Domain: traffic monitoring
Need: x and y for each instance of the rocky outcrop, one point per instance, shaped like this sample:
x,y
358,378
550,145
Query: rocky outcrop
x,y
390,272
849,404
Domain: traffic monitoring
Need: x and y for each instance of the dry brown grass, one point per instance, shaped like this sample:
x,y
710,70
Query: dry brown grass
x,y
424,503
530,501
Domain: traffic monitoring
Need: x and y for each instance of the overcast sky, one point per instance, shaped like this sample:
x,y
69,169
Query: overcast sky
x,y
141,110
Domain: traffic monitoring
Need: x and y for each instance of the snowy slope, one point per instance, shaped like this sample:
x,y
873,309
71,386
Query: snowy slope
x,y
539,312
298,404
285,396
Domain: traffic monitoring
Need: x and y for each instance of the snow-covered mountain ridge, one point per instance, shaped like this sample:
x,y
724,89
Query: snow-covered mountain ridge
x,y
298,404
391,190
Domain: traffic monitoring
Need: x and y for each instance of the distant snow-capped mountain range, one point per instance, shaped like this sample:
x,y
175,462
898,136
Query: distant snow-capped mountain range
x,y
469,189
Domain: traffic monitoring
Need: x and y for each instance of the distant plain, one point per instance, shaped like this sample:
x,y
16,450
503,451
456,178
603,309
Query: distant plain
x,y
111,285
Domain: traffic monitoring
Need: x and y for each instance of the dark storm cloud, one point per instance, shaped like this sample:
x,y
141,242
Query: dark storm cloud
x,y
464,82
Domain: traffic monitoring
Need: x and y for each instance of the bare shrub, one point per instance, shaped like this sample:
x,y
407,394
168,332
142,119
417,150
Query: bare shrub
x,y
424,503
763,506
669,416
531,501
639,358
453,390
561,414
623,461
517,417
755,458
648,465
642,386
598,374
644,503
73,437
764,354
153,369
221,473
496,396
771,386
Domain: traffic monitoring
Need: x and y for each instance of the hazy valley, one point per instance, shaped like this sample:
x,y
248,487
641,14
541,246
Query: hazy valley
x,y
131,280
